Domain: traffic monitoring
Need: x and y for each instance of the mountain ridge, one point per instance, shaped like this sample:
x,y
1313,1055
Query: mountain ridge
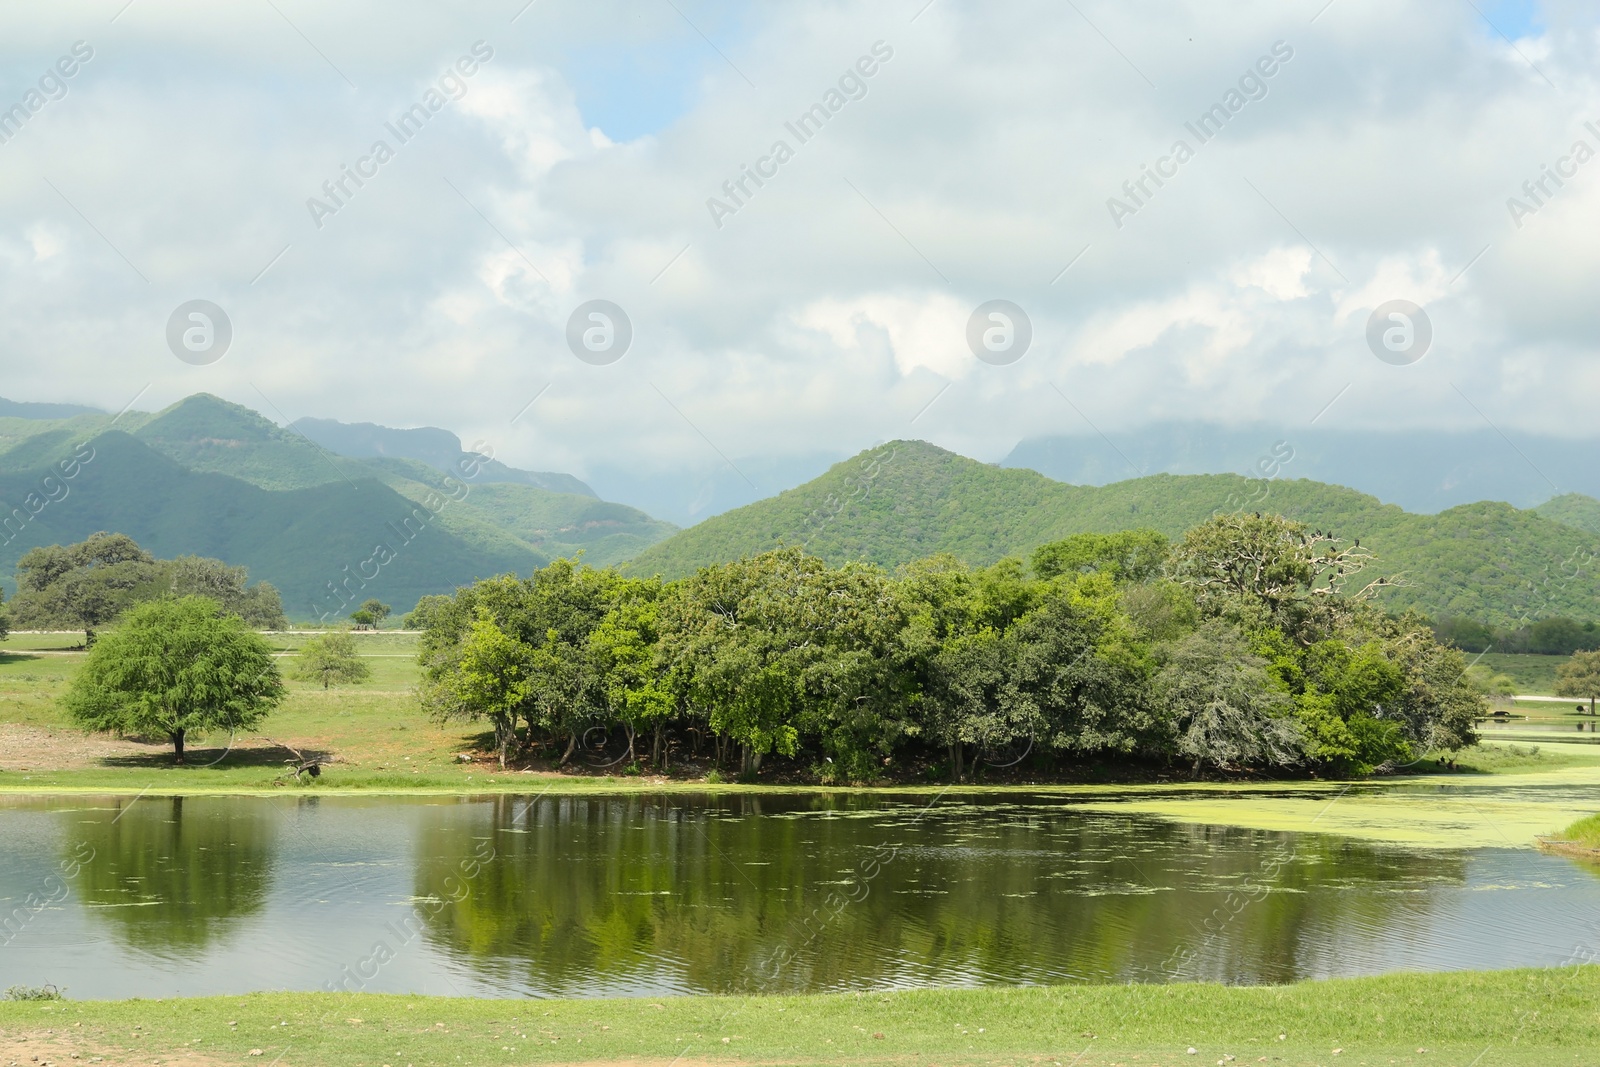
x,y
909,499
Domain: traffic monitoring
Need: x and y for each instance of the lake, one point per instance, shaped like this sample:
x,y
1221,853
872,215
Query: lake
x,y
654,895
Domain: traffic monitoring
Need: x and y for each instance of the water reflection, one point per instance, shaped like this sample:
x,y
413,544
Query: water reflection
x,y
636,895
171,875
598,895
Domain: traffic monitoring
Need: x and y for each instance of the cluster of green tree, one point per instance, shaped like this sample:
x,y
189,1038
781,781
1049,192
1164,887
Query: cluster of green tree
x,y
1246,644
1559,636
370,615
91,584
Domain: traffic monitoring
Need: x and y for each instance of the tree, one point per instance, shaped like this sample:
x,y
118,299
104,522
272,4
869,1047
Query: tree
x,y
428,608
90,584
1268,570
632,675
259,605
1580,677
174,666
85,586
370,614
486,675
330,659
1222,706
4,620
1127,556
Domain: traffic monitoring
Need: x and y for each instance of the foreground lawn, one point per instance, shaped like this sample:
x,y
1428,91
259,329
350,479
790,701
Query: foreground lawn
x,y
1488,1018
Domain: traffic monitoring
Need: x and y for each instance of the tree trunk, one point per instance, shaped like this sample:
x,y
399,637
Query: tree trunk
x,y
656,753
628,726
572,746
177,745
955,762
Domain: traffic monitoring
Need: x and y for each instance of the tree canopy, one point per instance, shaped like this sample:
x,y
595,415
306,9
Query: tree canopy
x,y
330,659
172,667
1253,643
90,584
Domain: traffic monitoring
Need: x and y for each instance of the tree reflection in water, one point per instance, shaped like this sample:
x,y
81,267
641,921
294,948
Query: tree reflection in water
x,y
173,874
590,895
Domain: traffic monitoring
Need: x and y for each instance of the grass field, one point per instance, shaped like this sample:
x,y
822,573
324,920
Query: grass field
x,y
1488,1018
1532,674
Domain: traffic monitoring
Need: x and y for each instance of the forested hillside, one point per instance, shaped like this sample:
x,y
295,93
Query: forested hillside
x,y
216,479
908,499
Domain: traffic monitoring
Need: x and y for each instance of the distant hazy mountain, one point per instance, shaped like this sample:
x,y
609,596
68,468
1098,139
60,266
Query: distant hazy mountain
x,y
439,449
909,499
14,409
1421,471
213,478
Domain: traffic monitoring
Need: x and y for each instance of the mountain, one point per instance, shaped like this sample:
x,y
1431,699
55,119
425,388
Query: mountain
x,y
439,449
300,540
14,409
1422,471
204,448
910,499
1575,510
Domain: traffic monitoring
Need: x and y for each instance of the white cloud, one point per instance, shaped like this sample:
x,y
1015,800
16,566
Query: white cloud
x,y
833,305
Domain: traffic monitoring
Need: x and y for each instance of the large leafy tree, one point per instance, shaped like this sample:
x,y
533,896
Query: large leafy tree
x,y
737,648
1078,663
485,674
549,616
633,676
955,647
370,614
172,667
85,585
90,584
1222,706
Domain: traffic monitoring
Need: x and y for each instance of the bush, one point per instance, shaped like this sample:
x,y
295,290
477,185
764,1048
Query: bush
x,y
28,992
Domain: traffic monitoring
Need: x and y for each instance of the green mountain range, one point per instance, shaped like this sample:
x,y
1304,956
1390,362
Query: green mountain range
x,y
909,499
216,479
212,478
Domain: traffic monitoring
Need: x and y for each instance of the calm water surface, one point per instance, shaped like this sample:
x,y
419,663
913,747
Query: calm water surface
x,y
595,896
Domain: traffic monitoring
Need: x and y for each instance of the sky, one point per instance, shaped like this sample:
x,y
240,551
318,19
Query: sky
x,y
967,153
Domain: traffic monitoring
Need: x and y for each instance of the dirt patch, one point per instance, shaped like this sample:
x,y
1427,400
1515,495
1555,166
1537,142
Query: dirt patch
x,y
37,748
56,1048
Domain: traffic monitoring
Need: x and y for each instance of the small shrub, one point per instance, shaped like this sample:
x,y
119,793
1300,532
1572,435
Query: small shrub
x,y
28,992
714,777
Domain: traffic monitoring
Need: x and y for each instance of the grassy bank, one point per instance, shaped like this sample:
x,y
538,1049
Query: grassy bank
x,y
1585,832
1503,1017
